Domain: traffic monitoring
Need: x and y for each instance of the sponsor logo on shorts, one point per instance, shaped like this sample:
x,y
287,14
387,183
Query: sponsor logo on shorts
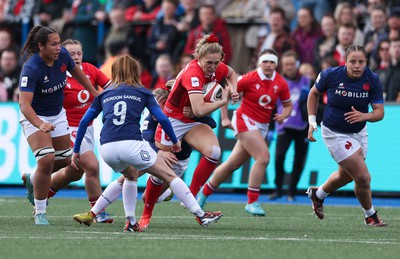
x,y
145,155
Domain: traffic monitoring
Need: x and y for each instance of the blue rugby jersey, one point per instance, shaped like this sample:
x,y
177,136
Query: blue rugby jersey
x,y
344,92
47,83
122,108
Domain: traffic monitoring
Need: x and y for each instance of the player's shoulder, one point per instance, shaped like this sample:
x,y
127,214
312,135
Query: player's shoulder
x,y
33,66
64,54
279,77
251,75
370,74
193,69
143,90
331,73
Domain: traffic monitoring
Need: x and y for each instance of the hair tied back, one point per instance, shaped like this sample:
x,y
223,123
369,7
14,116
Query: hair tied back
x,y
212,38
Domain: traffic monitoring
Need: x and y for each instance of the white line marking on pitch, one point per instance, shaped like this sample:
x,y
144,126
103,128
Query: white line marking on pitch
x,y
198,237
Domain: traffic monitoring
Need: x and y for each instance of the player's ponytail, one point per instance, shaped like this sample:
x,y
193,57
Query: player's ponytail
x,y
38,34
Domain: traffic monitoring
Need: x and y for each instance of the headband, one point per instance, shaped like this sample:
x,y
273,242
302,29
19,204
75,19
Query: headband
x,y
268,57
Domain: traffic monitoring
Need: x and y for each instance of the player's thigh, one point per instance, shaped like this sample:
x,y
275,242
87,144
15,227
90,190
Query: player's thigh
x,y
355,166
238,156
254,143
202,138
39,140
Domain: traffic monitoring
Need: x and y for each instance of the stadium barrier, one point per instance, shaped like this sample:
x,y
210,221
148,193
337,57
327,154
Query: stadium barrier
x,y
382,159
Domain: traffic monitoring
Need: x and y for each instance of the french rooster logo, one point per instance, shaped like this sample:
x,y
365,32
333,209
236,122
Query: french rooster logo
x,y
63,67
348,145
366,87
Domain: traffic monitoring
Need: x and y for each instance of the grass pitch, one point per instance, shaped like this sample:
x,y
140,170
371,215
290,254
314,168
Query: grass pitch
x,y
288,231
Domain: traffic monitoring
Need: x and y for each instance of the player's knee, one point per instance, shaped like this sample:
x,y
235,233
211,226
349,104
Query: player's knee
x,y
91,170
215,153
156,180
263,159
363,181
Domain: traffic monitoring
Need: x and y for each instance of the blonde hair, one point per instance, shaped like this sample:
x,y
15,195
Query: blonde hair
x,y
203,48
162,93
125,70
71,42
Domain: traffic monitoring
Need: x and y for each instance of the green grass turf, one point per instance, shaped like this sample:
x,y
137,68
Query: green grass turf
x,y
288,231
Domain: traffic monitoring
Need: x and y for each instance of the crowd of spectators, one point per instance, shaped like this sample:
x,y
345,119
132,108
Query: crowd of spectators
x,y
162,34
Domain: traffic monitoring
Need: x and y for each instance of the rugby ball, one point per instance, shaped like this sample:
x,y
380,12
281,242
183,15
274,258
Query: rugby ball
x,y
212,92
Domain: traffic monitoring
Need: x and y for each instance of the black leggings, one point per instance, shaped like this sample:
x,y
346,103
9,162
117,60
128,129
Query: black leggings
x,y
301,148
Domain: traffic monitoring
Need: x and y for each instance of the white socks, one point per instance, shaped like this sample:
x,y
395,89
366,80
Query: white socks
x,y
370,212
183,193
109,195
40,206
321,194
129,197
164,195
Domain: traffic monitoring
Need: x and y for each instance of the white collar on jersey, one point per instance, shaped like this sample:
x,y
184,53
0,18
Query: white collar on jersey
x,y
69,74
263,76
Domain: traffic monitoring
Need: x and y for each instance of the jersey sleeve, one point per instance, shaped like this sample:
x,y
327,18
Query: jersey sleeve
x,y
320,82
100,79
93,111
242,82
376,93
155,109
284,94
28,79
193,81
68,58
222,71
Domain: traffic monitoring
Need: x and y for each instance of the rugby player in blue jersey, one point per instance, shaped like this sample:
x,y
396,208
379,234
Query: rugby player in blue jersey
x,y
122,144
43,119
350,90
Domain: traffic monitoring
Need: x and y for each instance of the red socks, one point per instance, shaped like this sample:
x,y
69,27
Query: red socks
x,y
203,171
208,189
51,193
252,195
153,190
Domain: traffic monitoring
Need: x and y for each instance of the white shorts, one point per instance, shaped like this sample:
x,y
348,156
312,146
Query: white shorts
x,y
343,145
119,155
180,167
180,129
59,121
88,139
244,123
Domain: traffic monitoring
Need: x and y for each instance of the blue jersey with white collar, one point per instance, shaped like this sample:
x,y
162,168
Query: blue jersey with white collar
x,y
344,92
47,83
